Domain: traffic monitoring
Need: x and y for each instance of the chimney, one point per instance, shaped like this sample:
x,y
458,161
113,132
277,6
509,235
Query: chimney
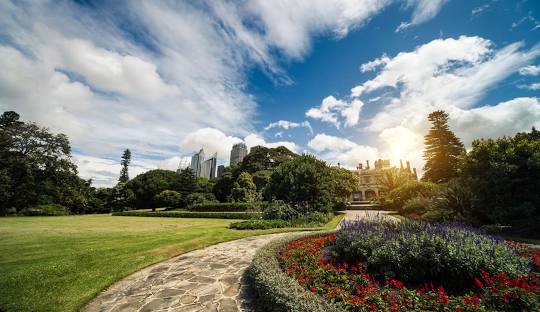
x,y
414,174
401,164
359,166
408,167
367,162
338,165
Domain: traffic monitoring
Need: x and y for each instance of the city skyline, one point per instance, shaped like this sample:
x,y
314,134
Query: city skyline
x,y
343,80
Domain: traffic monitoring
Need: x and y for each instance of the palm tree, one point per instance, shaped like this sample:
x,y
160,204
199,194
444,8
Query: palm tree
x,y
391,179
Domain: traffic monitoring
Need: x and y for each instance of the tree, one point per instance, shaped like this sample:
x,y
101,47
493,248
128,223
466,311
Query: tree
x,y
37,167
343,183
169,199
122,197
244,190
303,181
264,158
442,150
187,182
147,185
391,179
126,159
223,186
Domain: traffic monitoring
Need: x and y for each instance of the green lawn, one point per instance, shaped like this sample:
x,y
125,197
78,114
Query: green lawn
x,y
60,263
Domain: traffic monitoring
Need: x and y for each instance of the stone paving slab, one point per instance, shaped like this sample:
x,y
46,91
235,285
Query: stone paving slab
x,y
209,279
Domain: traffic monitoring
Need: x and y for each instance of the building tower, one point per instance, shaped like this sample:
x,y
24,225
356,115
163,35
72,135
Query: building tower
x,y
196,162
238,152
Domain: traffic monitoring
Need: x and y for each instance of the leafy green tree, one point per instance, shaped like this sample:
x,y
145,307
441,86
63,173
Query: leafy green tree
x,y
244,190
264,158
224,184
188,183
37,167
343,183
121,197
169,199
442,150
126,159
503,175
303,181
147,185
261,178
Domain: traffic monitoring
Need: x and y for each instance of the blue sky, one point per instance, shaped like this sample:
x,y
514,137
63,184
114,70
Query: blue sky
x,y
344,80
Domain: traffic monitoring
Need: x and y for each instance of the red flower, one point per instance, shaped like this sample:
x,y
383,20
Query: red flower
x,y
478,283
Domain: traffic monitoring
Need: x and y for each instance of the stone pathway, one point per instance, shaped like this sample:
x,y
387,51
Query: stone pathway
x,y
209,279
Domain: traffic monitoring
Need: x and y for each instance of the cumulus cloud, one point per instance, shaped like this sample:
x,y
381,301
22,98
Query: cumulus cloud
x,y
331,110
174,163
532,86
284,124
343,151
104,171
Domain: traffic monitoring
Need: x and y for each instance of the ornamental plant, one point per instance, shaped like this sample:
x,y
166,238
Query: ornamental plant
x,y
420,252
349,285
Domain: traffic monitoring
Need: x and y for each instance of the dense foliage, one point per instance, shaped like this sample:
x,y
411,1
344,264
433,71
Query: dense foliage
x,y
259,224
244,190
309,184
352,286
189,214
313,219
228,207
169,198
442,150
36,169
397,197
420,252
45,210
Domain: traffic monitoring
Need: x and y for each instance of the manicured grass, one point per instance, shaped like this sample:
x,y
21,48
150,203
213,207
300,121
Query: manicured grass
x,y
60,263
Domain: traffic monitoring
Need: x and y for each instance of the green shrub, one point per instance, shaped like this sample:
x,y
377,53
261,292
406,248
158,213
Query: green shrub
x,y
199,198
259,224
168,198
227,207
418,205
45,210
277,292
189,214
278,209
397,198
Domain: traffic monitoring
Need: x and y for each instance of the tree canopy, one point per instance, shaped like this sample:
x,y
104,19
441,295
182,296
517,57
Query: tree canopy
x,y
442,149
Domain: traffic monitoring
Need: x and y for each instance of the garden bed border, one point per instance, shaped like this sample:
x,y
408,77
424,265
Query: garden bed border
x,y
275,290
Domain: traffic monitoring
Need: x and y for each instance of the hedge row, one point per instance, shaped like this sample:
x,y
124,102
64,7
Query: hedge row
x,y
227,207
276,291
188,214
259,224
45,210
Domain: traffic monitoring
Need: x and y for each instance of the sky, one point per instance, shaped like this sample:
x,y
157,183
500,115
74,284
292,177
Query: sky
x,y
345,80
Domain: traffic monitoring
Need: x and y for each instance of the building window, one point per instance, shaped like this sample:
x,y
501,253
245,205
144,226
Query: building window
x,y
367,179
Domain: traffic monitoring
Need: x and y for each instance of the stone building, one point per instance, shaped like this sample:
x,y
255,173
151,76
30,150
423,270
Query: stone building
x,y
369,187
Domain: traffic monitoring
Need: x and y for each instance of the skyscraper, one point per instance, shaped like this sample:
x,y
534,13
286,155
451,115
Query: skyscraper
x,y
196,162
238,152
208,167
220,170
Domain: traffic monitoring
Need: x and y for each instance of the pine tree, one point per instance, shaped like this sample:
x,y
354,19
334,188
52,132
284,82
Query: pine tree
x,y
442,149
126,159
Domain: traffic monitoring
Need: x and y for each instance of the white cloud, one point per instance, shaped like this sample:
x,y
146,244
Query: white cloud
x,y
331,109
343,151
423,10
255,139
532,86
105,172
530,70
174,163
289,125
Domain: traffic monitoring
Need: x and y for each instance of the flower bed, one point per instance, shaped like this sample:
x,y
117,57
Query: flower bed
x,y
353,286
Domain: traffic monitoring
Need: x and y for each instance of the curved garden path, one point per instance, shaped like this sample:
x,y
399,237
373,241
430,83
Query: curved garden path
x,y
209,279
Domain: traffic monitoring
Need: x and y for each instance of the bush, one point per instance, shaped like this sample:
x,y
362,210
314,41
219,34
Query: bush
x,y
278,209
198,198
397,198
314,219
188,214
277,292
418,205
228,207
419,252
259,224
168,198
45,210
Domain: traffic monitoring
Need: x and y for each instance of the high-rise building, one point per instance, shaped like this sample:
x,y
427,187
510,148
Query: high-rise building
x,y
220,170
238,152
196,162
208,167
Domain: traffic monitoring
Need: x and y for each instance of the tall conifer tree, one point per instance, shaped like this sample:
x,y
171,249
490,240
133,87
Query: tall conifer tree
x,y
126,159
442,149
